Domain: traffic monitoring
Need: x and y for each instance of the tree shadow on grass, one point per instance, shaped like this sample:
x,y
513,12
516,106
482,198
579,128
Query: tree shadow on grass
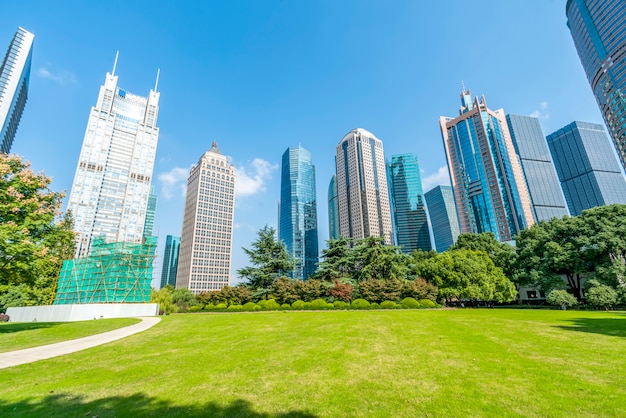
x,y
25,326
137,405
608,326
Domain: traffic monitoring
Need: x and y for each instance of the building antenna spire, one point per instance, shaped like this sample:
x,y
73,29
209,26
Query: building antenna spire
x,y
463,86
156,84
117,53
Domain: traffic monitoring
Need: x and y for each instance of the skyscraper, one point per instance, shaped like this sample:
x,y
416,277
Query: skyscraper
x,y
407,204
14,78
333,209
530,145
487,178
597,28
111,187
298,211
362,187
150,214
584,160
170,261
443,218
206,242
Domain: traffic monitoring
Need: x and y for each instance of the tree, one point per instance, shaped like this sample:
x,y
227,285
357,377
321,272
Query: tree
x,y
35,237
336,262
163,297
372,259
561,298
419,289
378,291
284,290
183,299
269,259
502,254
467,274
601,295
342,291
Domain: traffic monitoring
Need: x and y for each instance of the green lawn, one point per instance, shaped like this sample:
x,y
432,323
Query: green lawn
x,y
15,336
442,363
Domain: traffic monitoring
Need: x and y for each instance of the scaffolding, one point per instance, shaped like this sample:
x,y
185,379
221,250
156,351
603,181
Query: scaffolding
x,y
114,272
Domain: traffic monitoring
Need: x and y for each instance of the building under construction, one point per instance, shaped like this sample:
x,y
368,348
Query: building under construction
x,y
117,272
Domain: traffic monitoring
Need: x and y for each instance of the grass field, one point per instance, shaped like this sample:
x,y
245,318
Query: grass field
x,y
436,363
15,336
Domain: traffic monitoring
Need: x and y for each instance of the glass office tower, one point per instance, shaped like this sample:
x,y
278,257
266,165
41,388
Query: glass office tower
x,y
407,204
14,78
298,211
443,218
170,261
597,28
544,187
489,186
362,187
333,209
584,160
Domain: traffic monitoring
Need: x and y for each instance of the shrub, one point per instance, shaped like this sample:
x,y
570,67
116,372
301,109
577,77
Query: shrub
x,y
208,307
359,304
340,304
374,305
602,296
420,289
272,305
262,304
220,306
285,306
427,303
319,304
307,305
389,304
251,306
299,304
236,308
410,303
561,298
196,308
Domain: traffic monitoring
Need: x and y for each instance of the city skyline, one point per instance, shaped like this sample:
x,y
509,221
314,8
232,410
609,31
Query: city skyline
x,y
251,76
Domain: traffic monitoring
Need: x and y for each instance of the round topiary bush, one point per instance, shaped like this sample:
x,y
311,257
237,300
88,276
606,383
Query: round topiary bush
x,y
374,305
427,303
359,304
251,306
410,303
236,308
340,304
262,304
389,304
307,305
220,306
319,304
561,298
194,309
208,307
285,306
299,304
272,305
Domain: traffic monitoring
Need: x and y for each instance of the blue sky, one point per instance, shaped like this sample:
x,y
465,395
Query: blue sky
x,y
261,76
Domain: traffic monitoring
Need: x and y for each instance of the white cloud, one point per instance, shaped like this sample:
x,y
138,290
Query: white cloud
x,y
63,77
435,179
542,112
252,179
172,180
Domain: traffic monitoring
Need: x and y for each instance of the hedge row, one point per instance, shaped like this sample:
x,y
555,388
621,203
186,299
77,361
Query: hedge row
x,y
317,304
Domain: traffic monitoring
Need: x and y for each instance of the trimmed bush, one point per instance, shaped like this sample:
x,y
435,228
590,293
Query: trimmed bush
x,y
374,305
299,304
561,298
220,306
208,307
340,304
285,306
272,305
307,305
319,304
602,296
359,304
236,308
196,308
251,306
389,304
427,303
410,303
262,304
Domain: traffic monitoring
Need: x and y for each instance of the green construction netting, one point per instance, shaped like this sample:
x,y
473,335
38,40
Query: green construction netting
x,y
113,273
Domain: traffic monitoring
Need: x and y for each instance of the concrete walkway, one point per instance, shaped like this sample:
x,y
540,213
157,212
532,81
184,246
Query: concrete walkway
x,y
29,355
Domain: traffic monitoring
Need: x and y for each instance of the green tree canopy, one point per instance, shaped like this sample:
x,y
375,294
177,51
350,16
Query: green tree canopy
x,y
502,254
269,259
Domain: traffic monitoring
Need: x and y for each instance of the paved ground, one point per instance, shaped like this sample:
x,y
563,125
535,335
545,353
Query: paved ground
x,y
28,355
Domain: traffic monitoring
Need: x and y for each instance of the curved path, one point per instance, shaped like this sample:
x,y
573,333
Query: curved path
x,y
29,355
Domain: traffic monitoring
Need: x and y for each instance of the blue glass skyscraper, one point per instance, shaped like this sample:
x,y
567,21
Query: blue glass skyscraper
x,y
544,187
584,160
170,261
443,218
408,211
14,78
298,211
597,27
489,187
333,209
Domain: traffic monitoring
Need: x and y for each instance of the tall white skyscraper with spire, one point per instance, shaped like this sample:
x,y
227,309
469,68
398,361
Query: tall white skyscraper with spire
x,y
111,187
